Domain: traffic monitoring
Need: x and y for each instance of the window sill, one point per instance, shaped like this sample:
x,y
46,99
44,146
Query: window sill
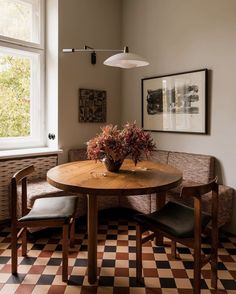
x,y
8,154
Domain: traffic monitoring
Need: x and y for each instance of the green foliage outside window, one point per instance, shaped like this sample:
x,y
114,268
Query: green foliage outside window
x,y
14,96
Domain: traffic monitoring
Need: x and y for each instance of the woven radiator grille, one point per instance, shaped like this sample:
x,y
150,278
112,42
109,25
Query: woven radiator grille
x,y
7,168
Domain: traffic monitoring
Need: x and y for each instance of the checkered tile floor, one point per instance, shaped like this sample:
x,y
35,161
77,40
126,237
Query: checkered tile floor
x,y
40,272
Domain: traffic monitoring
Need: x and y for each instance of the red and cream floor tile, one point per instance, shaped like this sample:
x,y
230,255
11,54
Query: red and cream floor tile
x,y
40,272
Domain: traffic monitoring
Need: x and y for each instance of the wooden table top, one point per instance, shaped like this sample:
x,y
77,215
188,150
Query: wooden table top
x,y
88,177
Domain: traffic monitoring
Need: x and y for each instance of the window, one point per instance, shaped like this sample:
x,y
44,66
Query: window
x,y
21,74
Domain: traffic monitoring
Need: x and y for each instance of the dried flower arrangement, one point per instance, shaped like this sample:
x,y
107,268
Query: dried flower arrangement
x,y
117,144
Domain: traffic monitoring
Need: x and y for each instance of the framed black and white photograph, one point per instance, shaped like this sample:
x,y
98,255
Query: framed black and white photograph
x,y
92,106
175,102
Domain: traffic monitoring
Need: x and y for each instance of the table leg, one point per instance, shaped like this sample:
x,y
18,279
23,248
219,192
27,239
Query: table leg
x,y
160,202
92,238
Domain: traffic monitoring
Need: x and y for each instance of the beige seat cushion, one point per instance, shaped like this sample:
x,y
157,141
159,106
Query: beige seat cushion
x,y
41,188
60,208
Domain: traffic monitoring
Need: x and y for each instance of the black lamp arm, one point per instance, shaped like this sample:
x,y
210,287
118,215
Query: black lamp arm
x,y
93,51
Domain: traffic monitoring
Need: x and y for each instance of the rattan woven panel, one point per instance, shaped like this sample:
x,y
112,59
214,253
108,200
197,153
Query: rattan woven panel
x,y
8,167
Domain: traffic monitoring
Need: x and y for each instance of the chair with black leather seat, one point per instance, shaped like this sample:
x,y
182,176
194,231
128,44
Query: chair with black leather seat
x,y
184,225
46,212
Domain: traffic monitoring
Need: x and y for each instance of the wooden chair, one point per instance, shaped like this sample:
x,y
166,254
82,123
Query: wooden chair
x,y
46,212
183,224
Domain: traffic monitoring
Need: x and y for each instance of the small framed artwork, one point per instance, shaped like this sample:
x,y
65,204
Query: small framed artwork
x,y
175,102
92,106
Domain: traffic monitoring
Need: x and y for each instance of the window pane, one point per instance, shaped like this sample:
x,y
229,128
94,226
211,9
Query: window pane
x,y
19,102
20,19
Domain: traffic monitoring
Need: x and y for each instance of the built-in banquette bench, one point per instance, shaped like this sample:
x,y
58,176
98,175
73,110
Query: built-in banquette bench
x,y
196,169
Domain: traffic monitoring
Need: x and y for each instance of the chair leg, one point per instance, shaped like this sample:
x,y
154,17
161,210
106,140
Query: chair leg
x,y
72,233
24,242
173,250
14,249
214,256
214,238
197,271
197,246
159,240
65,253
138,253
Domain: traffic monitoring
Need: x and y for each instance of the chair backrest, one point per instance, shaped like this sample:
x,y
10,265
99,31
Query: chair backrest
x,y
197,192
20,177
9,166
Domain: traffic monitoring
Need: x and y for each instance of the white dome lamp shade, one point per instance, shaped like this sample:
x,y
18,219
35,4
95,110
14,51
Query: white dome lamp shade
x,y
126,60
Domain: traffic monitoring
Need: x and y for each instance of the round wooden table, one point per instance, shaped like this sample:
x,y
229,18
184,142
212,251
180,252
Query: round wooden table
x,y
88,177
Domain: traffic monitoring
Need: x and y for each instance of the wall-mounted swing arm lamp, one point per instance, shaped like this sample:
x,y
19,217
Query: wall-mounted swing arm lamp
x,y
124,59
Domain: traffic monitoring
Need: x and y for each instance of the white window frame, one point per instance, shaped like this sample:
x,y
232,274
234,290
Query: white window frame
x,y
37,137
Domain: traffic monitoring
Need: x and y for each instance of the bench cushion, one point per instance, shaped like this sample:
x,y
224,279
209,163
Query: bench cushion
x,y
141,203
195,167
77,154
160,156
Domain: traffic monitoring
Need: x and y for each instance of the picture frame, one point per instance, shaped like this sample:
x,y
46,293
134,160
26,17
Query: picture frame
x,y
175,103
92,106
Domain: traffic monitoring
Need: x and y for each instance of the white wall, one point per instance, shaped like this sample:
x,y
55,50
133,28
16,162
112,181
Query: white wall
x,y
184,35
52,71
97,24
